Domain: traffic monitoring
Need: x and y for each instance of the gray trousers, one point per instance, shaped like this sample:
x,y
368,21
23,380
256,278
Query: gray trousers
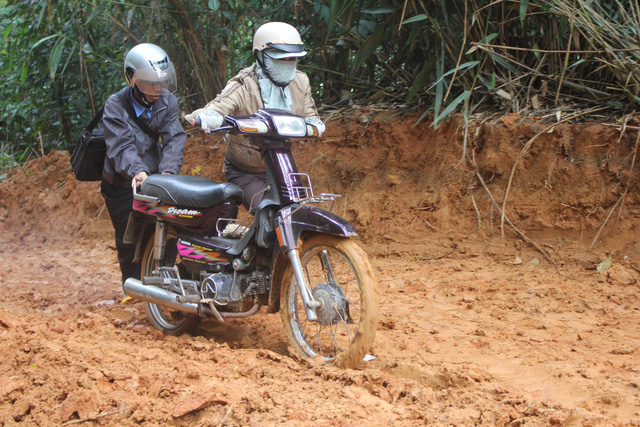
x,y
251,183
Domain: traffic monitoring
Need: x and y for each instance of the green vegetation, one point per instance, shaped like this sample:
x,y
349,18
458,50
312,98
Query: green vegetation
x,y
60,60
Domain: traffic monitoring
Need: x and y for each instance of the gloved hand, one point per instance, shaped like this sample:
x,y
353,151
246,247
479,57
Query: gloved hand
x,y
209,120
315,127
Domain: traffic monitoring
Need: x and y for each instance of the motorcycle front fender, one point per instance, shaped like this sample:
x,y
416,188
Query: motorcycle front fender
x,y
291,223
296,219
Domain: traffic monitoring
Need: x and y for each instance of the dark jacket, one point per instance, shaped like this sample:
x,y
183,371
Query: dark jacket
x,y
130,150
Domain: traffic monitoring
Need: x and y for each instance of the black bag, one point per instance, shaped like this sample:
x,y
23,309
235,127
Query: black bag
x,y
87,159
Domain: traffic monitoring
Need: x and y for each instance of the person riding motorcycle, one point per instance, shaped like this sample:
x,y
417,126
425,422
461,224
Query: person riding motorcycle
x,y
151,142
273,81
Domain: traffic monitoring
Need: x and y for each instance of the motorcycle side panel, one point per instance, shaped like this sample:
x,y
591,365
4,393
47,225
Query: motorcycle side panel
x,y
196,219
202,254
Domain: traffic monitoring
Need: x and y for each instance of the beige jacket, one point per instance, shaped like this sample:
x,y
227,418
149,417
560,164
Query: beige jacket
x,y
242,96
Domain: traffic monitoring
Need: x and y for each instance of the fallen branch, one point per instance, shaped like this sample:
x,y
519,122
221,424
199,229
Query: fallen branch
x,y
567,54
84,420
520,233
225,415
529,49
477,211
605,222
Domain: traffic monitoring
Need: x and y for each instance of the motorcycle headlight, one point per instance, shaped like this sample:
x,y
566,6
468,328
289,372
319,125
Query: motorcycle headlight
x,y
290,126
252,126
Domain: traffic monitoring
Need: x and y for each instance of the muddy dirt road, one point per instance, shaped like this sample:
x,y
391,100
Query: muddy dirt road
x,y
531,328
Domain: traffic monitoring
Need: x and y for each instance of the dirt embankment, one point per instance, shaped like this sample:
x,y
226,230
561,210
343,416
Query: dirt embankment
x,y
508,262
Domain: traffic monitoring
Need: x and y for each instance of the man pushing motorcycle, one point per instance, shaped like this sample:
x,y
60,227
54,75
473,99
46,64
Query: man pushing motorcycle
x,y
134,120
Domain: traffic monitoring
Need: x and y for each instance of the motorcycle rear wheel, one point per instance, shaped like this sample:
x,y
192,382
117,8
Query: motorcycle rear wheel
x,y
340,276
171,322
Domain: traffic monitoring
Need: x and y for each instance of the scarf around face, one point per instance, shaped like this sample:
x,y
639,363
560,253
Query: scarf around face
x,y
282,72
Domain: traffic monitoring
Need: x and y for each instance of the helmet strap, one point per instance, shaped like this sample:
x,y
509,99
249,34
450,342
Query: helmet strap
x,y
140,97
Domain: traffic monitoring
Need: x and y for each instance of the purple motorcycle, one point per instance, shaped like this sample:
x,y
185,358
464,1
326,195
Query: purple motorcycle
x,y
295,256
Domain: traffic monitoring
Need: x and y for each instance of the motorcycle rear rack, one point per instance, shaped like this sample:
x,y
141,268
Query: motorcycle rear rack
x,y
303,192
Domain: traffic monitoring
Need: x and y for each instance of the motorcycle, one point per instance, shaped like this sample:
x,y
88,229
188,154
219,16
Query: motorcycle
x,y
295,257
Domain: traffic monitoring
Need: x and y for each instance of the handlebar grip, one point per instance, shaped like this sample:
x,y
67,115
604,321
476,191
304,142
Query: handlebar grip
x,y
226,125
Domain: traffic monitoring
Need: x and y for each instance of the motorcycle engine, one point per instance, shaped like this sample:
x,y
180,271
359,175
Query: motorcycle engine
x,y
224,288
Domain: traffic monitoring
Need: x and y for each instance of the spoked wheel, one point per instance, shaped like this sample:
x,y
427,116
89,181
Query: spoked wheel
x,y
170,321
340,277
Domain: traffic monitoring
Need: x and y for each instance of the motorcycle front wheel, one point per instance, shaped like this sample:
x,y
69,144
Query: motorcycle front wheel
x,y
170,321
340,277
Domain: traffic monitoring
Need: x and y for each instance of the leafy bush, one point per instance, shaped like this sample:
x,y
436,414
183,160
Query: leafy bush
x,y
59,61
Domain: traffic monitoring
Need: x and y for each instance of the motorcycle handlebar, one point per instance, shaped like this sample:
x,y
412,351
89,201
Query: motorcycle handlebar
x,y
231,125
225,125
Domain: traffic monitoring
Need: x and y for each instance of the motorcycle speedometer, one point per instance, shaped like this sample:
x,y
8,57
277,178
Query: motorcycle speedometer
x,y
292,126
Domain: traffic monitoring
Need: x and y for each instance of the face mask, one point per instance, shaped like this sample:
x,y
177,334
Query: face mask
x,y
282,72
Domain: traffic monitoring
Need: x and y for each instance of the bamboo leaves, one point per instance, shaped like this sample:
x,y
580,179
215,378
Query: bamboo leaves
x,y
442,56
422,78
368,48
42,40
97,11
524,6
451,108
416,18
379,10
55,57
460,68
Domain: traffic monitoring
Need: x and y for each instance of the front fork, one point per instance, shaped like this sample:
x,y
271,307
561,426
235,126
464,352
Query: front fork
x,y
288,245
310,304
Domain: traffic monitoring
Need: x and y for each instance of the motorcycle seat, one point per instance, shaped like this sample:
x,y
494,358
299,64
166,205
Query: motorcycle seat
x,y
192,191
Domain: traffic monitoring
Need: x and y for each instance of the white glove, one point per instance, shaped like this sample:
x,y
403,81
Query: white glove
x,y
315,127
209,120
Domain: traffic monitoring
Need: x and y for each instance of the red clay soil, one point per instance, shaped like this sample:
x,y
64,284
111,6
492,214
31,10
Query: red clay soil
x,y
527,318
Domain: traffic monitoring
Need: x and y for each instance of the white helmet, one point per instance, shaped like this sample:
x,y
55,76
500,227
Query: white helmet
x,y
148,69
278,40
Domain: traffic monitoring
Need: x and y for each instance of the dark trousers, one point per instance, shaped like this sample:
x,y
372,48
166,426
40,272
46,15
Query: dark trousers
x,y
251,183
119,203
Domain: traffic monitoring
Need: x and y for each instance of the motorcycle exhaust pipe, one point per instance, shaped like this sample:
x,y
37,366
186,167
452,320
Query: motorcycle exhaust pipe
x,y
149,293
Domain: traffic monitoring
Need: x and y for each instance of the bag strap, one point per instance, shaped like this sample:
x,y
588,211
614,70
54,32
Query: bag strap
x,y
129,109
94,122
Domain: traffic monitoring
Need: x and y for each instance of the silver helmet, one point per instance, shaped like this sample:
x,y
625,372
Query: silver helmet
x,y
148,69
